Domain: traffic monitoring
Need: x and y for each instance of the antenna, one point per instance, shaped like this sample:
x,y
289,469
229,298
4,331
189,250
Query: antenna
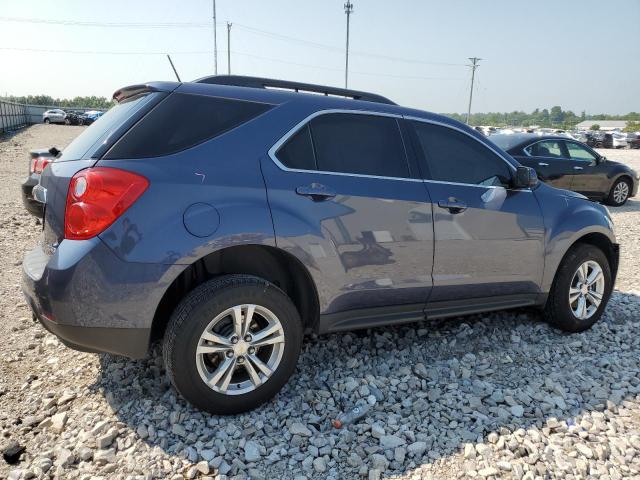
x,y
174,68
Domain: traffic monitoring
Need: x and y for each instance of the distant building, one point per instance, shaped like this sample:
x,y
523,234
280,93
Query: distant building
x,y
606,125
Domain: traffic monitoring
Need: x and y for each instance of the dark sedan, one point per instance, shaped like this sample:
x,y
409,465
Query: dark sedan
x,y
572,165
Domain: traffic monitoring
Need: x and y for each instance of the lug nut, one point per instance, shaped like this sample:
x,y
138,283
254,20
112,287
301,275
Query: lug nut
x,y
229,354
240,359
252,350
234,339
247,338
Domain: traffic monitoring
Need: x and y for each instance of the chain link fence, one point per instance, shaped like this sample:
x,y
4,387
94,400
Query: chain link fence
x,y
12,116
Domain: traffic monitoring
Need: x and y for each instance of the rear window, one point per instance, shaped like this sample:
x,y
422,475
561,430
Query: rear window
x,y
88,140
182,121
298,153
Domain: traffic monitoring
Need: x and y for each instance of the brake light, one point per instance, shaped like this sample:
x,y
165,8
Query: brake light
x,y
38,164
97,197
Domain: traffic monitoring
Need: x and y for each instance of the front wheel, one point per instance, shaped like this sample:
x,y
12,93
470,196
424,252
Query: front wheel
x,y
619,193
47,121
232,344
580,290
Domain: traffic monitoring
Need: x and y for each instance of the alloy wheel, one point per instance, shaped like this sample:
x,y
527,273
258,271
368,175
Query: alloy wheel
x,y
586,290
620,192
240,349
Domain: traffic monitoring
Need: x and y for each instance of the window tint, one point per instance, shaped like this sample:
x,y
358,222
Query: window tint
x,y
297,152
453,156
182,121
362,144
546,148
578,152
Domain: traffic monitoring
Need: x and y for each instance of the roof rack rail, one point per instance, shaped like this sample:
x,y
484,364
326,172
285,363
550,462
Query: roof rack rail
x,y
257,82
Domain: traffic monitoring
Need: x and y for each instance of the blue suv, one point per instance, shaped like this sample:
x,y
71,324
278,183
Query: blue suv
x,y
229,216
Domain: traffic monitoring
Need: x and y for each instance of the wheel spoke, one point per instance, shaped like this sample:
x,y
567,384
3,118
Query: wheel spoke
x,y
595,298
595,275
272,340
582,272
265,332
238,326
204,349
582,308
226,379
248,318
227,365
574,293
215,338
261,365
253,374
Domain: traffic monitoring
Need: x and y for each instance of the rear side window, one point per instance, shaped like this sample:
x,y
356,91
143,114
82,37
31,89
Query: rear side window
x,y
182,121
453,156
360,144
297,153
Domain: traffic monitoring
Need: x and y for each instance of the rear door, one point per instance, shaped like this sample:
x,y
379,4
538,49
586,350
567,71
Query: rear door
x,y
489,238
589,176
346,201
550,159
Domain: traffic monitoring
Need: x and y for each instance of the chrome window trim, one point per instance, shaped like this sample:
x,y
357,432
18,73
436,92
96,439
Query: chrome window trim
x,y
276,146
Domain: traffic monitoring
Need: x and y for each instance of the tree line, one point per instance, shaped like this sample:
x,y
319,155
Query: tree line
x,y
556,117
76,102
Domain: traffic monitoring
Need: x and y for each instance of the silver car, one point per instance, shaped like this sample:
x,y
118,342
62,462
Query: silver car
x,y
54,116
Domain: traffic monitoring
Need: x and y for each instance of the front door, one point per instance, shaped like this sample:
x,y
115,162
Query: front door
x,y
549,159
345,201
589,175
489,238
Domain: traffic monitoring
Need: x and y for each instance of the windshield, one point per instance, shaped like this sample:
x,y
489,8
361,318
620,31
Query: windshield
x,y
89,140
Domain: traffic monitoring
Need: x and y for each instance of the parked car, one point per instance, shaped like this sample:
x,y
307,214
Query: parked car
x,y
91,116
619,140
265,213
38,160
73,117
54,116
570,164
633,140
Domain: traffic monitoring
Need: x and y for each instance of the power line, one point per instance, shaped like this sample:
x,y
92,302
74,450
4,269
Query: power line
x,y
242,54
247,28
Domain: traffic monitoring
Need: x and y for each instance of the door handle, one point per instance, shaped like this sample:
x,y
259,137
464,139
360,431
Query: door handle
x,y
577,168
316,192
453,205
542,164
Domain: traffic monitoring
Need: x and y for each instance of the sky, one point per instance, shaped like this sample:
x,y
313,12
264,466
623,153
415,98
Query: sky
x,y
579,54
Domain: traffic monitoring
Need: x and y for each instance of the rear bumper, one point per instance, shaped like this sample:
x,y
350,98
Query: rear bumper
x,y
32,206
93,301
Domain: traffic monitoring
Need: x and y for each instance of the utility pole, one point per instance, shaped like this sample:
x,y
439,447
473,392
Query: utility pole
x,y
229,48
474,65
215,41
348,9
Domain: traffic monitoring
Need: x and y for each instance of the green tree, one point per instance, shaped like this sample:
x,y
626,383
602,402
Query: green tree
x,y
632,127
595,126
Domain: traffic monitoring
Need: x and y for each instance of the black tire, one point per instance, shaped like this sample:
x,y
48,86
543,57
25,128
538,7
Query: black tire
x,y
557,311
193,315
67,121
47,121
610,198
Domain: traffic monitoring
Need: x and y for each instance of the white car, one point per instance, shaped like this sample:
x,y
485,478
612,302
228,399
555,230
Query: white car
x,y
54,116
619,140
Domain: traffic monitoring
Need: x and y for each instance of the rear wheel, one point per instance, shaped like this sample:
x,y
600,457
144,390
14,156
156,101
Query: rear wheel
x,y
619,193
232,344
47,121
580,290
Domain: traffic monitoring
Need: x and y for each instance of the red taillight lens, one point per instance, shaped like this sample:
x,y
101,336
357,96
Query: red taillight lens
x,y
38,164
97,197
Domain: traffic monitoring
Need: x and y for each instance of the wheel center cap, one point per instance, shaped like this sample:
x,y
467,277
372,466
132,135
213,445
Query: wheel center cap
x,y
241,348
584,289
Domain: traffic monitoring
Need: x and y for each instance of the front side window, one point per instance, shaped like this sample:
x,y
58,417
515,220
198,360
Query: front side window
x,y
578,152
453,156
359,144
546,148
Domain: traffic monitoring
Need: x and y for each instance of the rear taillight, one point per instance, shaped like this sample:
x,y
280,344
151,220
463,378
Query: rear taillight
x,y
97,197
38,164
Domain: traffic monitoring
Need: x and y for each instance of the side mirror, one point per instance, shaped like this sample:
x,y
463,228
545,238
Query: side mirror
x,y
526,177
602,159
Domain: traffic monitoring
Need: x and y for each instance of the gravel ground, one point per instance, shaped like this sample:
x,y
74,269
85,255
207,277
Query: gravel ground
x,y
500,395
